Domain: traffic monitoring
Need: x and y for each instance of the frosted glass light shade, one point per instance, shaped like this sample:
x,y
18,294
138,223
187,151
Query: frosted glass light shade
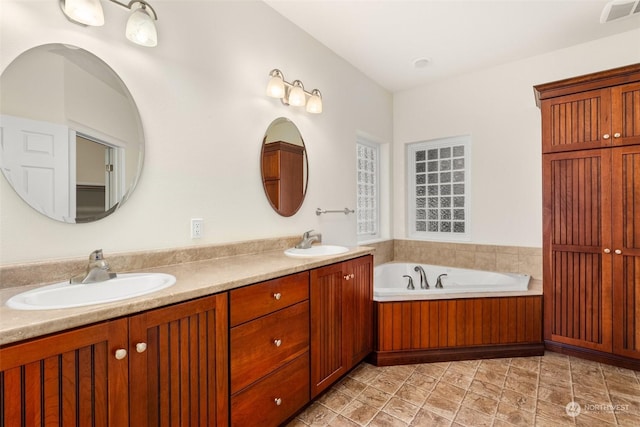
x,y
141,29
296,94
314,105
87,12
275,87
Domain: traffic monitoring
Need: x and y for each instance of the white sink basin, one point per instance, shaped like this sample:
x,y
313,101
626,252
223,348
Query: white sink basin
x,y
318,250
66,295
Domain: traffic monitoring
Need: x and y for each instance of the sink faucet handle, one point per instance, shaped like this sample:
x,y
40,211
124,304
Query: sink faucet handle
x,y
410,284
306,234
96,255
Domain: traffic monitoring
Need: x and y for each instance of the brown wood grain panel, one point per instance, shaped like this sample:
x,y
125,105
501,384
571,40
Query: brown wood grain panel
x,y
478,321
32,393
12,394
451,323
85,380
101,384
68,388
51,384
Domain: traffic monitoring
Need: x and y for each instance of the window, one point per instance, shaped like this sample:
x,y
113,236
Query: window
x,y
439,189
368,188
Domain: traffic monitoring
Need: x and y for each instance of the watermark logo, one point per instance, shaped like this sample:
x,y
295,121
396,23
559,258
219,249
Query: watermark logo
x,y
573,409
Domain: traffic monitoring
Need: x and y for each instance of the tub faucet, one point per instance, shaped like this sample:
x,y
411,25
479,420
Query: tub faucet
x,y
424,284
98,270
410,284
439,281
308,239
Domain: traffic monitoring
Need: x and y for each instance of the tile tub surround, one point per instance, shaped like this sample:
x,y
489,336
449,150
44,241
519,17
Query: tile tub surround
x,y
55,271
506,259
193,280
527,391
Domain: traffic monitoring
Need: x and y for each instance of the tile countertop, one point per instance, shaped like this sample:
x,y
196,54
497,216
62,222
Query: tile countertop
x,y
193,280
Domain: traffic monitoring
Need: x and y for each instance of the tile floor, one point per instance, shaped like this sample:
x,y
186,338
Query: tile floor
x,y
528,391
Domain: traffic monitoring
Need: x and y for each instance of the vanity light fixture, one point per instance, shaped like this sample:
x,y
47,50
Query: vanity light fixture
x,y
293,93
141,28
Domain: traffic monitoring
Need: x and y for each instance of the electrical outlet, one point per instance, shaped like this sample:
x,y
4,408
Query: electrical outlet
x,y
197,226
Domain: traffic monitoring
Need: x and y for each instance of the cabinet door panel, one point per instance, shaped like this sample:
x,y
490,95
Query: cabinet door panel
x,y
626,114
358,297
62,379
626,240
181,377
576,122
576,229
327,312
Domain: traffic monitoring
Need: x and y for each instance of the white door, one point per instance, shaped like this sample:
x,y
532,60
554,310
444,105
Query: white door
x,y
35,158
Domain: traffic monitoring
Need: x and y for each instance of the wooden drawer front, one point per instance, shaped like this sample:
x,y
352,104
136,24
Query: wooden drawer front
x,y
253,301
258,403
254,352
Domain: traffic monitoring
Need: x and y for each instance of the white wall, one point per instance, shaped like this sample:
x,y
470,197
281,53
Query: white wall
x,y
497,108
201,96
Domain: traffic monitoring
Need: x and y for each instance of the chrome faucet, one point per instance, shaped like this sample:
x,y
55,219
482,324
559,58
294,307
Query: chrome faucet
x,y
98,270
308,239
439,281
424,284
410,284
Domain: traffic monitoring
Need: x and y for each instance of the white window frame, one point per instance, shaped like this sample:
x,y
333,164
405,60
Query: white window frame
x,y
361,199
419,215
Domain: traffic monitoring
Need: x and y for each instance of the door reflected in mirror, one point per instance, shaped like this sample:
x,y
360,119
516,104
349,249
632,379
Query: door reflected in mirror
x,y
72,139
284,166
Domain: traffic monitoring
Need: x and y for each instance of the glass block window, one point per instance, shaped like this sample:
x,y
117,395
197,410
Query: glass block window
x,y
438,200
368,190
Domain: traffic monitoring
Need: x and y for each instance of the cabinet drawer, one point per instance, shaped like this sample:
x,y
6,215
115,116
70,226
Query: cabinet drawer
x,y
254,301
263,345
288,386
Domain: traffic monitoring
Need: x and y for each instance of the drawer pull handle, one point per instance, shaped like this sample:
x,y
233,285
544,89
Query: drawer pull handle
x,y
277,296
616,135
278,401
277,343
606,136
141,347
121,353
618,252
607,250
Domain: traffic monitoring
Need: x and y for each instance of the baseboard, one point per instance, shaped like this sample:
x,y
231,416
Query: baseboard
x,y
594,355
404,357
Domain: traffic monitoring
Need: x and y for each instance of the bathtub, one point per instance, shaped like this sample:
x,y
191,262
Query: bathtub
x,y
390,285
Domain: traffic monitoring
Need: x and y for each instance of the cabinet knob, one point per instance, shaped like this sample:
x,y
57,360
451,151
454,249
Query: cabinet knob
x,y
607,251
616,135
121,353
606,136
141,347
618,252
277,343
277,296
277,401
349,276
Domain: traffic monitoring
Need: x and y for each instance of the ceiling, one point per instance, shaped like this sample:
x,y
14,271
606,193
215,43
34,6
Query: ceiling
x,y
384,38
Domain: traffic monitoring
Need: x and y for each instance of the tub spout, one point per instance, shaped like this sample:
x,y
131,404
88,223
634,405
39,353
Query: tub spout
x,y
439,281
424,284
410,284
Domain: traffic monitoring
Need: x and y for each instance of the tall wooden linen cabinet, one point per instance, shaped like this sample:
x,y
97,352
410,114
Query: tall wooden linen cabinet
x,y
591,215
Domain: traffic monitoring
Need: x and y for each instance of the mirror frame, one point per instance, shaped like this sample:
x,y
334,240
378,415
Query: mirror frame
x,y
114,122
287,147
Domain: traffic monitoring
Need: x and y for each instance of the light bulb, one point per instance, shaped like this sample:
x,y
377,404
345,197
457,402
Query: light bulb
x,y
296,95
275,87
87,12
141,29
314,105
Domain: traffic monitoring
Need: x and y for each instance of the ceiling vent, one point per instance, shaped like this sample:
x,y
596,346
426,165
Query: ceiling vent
x,y
618,9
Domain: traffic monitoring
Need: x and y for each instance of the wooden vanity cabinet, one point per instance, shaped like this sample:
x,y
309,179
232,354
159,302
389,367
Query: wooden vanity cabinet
x,y
269,362
341,319
166,364
591,202
283,175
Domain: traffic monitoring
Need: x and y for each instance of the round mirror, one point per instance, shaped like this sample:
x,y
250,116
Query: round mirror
x,y
72,142
284,166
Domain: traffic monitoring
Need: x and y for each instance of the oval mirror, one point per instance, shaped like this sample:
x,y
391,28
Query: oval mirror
x,y
72,142
284,166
